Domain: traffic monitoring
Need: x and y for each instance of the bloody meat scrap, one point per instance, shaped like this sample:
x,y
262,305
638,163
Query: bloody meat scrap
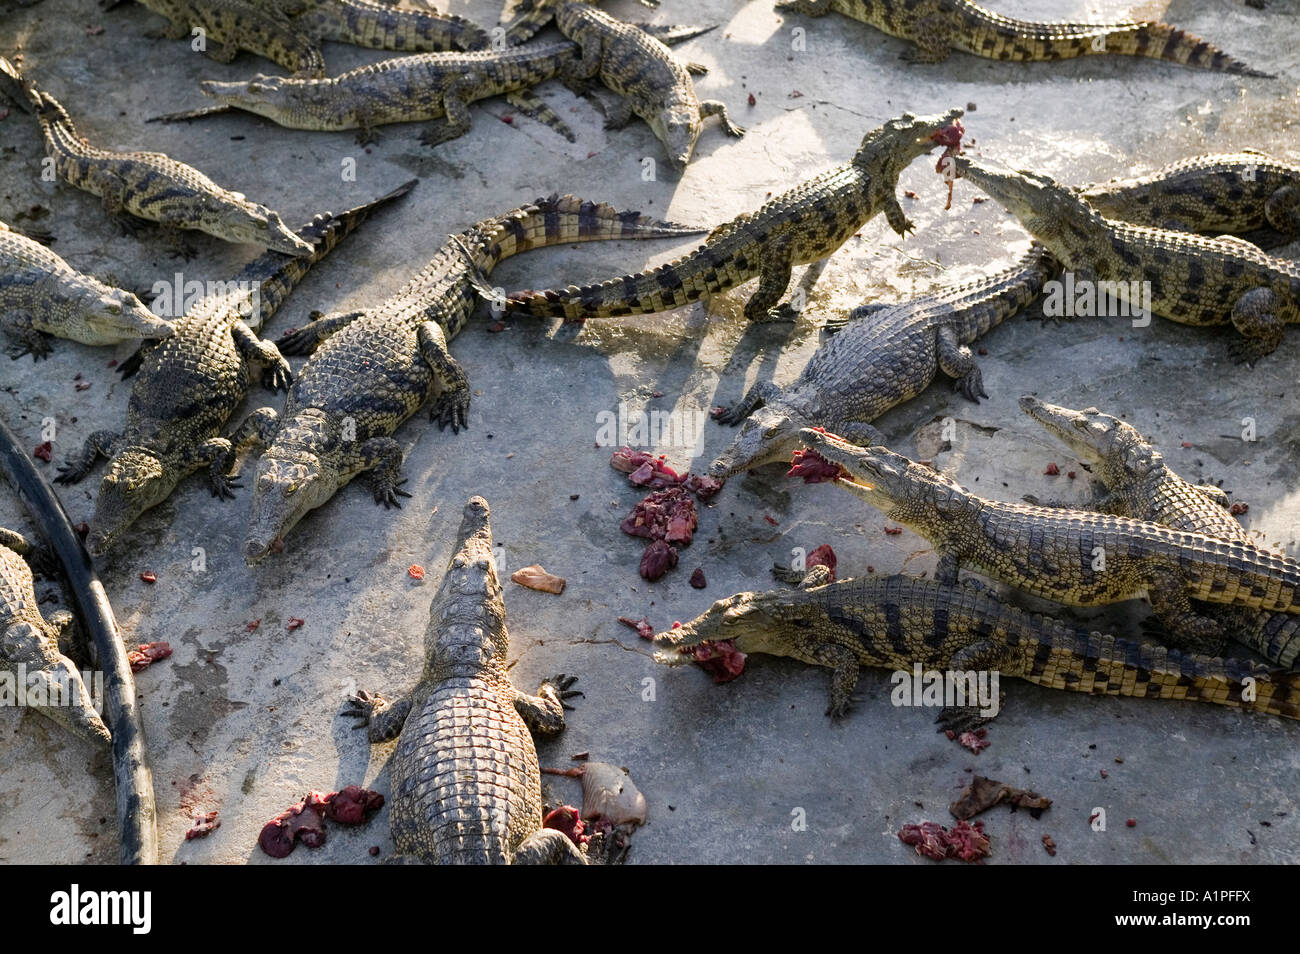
x,y
964,841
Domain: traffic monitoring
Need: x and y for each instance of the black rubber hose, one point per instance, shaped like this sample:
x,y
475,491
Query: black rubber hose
x,y
137,817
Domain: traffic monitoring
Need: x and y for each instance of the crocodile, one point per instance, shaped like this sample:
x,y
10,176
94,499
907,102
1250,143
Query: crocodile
x,y
41,295
466,786
148,185
521,22
900,622
1139,484
1072,557
189,384
417,88
382,26
1191,279
802,226
937,27
885,355
37,672
649,80
374,368
1249,194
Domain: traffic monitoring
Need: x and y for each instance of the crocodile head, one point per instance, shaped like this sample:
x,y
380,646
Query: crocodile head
x,y
680,129
54,687
1044,207
470,592
901,140
258,225
751,620
109,315
769,434
1114,448
289,102
901,489
294,477
134,481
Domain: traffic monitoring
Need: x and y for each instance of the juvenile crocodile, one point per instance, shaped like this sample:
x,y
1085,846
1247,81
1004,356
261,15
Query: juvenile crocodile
x,y
805,225
1072,557
649,80
228,26
190,383
528,18
41,295
29,647
376,367
1191,279
1247,193
466,787
898,622
148,185
937,27
426,86
1139,484
887,354
383,26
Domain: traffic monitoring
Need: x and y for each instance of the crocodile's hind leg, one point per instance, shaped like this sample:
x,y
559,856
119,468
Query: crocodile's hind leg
x,y
757,396
1187,629
383,720
544,712
1255,315
546,846
534,107
958,362
24,336
712,107
774,278
452,404
618,114
99,444
304,340
1282,210
276,373
978,658
457,119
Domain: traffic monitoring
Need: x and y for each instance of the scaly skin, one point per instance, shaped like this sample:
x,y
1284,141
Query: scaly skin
x,y
1139,484
426,86
887,354
1193,280
805,225
375,368
895,622
190,383
466,788
1247,193
41,294
937,27
234,25
530,16
26,638
149,185
650,80
380,26
1072,557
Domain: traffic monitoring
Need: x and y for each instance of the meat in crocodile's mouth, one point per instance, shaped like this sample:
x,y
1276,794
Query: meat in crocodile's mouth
x,y
816,469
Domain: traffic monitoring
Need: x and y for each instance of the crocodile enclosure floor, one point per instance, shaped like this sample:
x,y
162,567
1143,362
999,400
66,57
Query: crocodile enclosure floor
x,y
244,717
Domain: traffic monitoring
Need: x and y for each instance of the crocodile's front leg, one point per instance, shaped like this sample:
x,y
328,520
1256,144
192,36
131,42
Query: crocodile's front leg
x,y
979,657
26,338
256,430
215,454
457,121
774,278
383,720
895,216
452,404
544,712
757,396
305,340
97,445
1187,629
713,107
546,846
276,373
958,362
382,457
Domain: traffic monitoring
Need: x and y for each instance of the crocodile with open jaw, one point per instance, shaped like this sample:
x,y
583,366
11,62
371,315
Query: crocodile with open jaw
x,y
897,622
51,684
1139,484
649,80
1249,194
805,225
886,354
1191,279
937,27
1073,557
466,786
148,185
41,294
376,367
190,383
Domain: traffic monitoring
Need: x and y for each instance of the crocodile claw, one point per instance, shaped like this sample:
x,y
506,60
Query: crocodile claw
x,y
278,377
387,493
222,486
561,683
452,408
363,707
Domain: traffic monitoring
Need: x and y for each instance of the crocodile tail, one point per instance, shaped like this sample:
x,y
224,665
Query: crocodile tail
x,y
18,89
274,274
1080,661
986,303
1276,636
529,18
380,26
1023,40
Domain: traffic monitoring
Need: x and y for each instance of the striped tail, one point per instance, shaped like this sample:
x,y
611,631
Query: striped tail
x,y
275,274
530,16
1003,38
1276,636
560,220
1079,661
379,26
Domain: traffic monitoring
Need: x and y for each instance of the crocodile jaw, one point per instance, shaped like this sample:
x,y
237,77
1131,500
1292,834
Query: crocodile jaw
x,y
134,482
285,490
258,225
734,617
118,316
766,436
70,702
878,476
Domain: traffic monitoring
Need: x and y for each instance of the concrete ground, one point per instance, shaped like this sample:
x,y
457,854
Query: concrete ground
x,y
247,721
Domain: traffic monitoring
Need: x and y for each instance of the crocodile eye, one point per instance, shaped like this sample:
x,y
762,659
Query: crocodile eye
x,y
254,87
114,309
